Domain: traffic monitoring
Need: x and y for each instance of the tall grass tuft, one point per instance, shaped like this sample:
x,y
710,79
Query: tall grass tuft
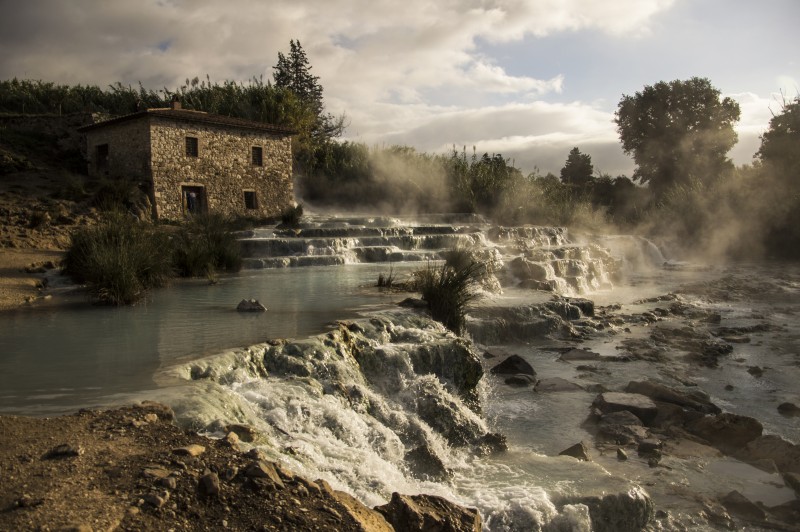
x,y
119,258
206,245
449,288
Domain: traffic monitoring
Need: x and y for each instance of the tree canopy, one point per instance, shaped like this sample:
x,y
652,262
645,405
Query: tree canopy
x,y
677,132
578,169
780,144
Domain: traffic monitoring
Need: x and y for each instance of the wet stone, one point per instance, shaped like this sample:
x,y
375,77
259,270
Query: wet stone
x,y
513,365
578,451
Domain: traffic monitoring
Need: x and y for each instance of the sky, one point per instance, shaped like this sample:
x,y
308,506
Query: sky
x,y
528,79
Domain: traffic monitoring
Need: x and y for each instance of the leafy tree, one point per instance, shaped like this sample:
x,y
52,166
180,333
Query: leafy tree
x,y
677,132
780,158
578,169
780,143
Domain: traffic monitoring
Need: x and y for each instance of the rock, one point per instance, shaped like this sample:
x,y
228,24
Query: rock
x,y
755,371
63,451
520,380
727,432
189,450
742,507
658,392
155,472
579,354
413,513
369,519
556,384
208,485
265,470
631,510
786,455
621,455
425,464
578,451
490,443
649,448
156,500
413,302
639,405
622,417
793,481
169,482
250,305
245,433
789,409
513,365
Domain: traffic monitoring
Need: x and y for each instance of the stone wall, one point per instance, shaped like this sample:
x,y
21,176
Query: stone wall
x,y
128,151
223,168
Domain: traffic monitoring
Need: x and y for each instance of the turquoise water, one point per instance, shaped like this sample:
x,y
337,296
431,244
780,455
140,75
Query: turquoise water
x,y
57,359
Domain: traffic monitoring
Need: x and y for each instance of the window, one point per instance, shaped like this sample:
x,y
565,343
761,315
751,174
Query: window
x,y
192,147
250,201
258,156
101,157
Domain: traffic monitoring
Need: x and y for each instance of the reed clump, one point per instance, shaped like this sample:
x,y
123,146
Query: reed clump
x,y
449,287
120,258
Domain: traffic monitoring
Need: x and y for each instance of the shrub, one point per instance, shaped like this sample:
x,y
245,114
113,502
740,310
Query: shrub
x,y
292,215
449,288
206,245
119,259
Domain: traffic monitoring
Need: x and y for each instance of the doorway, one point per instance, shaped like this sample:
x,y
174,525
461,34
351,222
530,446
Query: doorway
x,y
193,199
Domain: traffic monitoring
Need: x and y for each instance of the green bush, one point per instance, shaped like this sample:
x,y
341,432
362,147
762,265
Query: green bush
x,y
449,288
205,245
120,258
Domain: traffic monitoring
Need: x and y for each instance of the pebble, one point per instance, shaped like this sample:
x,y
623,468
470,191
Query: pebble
x,y
208,484
621,455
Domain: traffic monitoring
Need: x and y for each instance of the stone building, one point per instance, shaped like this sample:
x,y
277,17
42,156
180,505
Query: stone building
x,y
191,161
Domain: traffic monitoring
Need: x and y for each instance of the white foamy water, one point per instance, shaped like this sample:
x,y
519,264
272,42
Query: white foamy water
x,y
353,422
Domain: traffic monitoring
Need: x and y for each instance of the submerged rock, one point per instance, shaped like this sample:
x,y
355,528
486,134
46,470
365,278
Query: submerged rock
x,y
556,384
789,409
412,513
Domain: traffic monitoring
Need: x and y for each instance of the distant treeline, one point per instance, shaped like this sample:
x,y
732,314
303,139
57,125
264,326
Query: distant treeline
x,y
254,100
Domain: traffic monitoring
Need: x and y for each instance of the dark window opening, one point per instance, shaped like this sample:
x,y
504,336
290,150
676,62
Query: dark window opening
x,y
250,200
101,157
192,149
258,156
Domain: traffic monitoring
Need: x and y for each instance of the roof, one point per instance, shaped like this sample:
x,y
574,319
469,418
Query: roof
x,y
200,117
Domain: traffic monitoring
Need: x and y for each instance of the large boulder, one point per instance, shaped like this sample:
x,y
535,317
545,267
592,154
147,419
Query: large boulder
x,y
639,405
429,513
786,455
727,432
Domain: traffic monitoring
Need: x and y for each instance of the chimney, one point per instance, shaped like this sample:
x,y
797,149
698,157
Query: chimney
x,y
176,103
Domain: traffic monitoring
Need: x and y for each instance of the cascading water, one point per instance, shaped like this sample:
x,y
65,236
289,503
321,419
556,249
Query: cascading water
x,y
391,401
